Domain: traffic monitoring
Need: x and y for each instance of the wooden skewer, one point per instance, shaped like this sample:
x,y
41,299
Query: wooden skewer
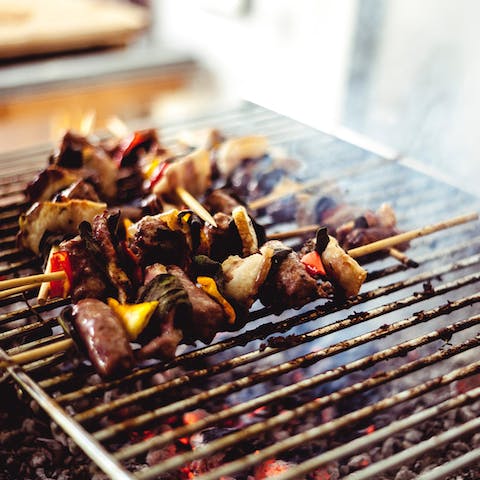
x,y
410,235
13,291
385,243
195,205
41,352
45,287
38,353
402,257
296,232
272,197
31,279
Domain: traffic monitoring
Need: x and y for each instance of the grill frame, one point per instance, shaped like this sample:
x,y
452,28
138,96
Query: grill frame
x,y
280,130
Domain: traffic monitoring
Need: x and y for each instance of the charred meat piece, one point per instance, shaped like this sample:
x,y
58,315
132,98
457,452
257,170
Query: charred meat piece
x,y
367,228
222,241
362,236
163,333
221,200
208,317
88,161
62,217
103,231
48,182
89,280
104,337
80,190
288,284
155,242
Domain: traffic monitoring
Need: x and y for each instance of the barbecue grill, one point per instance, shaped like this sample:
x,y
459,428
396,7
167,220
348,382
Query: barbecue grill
x,y
314,393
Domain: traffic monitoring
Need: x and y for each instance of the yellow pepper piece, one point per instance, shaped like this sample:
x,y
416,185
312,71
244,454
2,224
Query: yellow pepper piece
x,y
134,317
210,288
151,167
127,223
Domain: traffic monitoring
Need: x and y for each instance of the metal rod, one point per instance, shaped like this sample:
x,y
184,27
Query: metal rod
x,y
407,455
81,437
443,471
303,437
264,330
250,405
307,359
366,441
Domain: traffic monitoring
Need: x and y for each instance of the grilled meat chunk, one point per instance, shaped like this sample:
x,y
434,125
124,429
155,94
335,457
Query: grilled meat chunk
x,y
369,227
362,236
86,160
48,182
288,284
155,242
88,280
104,337
208,317
221,241
80,190
103,235
62,217
221,200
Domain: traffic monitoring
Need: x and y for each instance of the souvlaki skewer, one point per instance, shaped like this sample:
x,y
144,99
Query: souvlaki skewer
x,y
173,276
89,311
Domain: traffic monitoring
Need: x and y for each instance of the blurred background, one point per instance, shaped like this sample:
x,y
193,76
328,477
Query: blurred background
x,y
400,72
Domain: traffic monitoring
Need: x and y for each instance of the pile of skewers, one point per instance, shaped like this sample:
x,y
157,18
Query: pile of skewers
x,y
155,248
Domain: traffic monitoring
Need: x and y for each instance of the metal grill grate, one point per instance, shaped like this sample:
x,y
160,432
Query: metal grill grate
x,y
410,334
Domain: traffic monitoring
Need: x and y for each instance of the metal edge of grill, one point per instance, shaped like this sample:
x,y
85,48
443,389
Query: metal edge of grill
x,y
395,299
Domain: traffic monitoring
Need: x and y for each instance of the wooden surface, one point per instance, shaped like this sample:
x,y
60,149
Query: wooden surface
x,y
31,27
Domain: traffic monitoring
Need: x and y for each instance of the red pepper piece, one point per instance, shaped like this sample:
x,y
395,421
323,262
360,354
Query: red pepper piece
x,y
60,261
125,156
133,259
158,174
313,263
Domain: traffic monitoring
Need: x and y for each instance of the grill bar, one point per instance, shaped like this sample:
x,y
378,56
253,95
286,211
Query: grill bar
x,y
442,472
369,179
253,404
91,447
314,356
313,433
411,453
400,458
264,330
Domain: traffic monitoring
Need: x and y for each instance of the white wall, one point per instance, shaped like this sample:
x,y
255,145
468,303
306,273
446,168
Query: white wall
x,y
287,55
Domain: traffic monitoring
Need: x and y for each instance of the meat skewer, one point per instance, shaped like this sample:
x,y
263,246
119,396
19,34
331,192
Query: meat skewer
x,y
183,297
5,285
120,130
60,346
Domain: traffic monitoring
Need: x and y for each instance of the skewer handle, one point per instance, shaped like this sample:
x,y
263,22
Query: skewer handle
x,y
410,235
31,279
38,353
13,291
